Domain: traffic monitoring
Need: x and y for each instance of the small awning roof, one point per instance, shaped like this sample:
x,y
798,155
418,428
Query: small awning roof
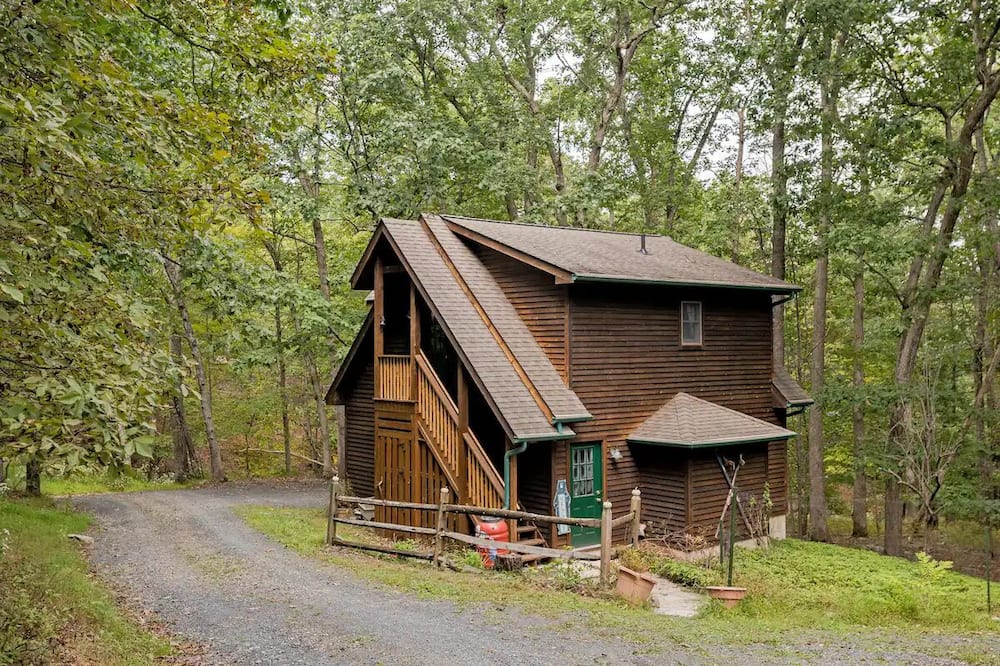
x,y
692,423
787,392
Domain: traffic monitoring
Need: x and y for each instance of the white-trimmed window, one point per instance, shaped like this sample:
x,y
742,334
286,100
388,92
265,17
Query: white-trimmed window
x,y
690,322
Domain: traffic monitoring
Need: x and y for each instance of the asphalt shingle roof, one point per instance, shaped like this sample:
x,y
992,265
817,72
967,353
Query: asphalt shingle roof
x,y
611,256
564,403
690,422
489,362
789,390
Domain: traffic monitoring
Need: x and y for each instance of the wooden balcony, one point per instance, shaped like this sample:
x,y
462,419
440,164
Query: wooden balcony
x,y
393,378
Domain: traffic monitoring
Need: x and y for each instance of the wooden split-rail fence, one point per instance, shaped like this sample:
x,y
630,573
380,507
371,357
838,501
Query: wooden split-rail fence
x,y
444,511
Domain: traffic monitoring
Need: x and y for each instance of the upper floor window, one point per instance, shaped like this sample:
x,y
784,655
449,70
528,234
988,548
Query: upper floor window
x,y
690,322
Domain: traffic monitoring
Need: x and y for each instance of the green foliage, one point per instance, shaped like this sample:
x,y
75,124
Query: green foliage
x,y
682,573
85,481
52,607
822,585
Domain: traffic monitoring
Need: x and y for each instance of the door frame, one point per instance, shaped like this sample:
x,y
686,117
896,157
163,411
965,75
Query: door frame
x,y
598,446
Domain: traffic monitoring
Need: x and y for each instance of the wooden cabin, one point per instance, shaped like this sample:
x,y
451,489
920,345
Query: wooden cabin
x,y
509,361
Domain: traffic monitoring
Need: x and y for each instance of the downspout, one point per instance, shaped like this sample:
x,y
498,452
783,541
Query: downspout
x,y
508,454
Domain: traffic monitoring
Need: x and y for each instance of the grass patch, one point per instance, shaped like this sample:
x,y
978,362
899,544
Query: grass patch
x,y
51,609
84,482
795,588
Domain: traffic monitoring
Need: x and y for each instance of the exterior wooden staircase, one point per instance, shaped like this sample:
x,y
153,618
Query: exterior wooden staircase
x,y
459,454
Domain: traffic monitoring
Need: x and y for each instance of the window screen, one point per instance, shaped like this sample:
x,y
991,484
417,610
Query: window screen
x,y
583,471
690,323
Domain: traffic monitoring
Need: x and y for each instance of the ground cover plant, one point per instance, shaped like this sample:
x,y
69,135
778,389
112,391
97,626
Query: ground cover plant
x,y
51,609
83,481
844,591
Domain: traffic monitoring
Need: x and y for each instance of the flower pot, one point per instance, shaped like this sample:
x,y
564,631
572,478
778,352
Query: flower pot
x,y
634,586
730,596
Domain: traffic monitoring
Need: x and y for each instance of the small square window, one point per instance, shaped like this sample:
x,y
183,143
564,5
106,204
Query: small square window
x,y
690,323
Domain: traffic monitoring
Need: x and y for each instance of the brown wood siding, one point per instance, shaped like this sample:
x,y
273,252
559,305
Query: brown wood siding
x,y
709,487
538,300
359,449
560,470
627,361
534,478
777,476
663,481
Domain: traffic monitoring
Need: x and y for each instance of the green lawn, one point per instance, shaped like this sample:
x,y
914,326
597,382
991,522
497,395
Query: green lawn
x,y
795,587
51,609
85,483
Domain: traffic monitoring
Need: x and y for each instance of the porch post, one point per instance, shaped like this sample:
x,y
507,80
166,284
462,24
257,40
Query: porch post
x,y
512,525
414,340
462,492
379,319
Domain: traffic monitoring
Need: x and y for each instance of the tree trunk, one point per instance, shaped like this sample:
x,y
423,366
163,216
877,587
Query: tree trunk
x,y
310,184
33,478
781,72
741,139
925,275
859,509
179,430
215,454
893,517
286,430
779,217
817,476
274,249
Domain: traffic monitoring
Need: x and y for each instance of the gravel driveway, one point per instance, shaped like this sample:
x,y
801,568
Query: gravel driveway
x,y
212,579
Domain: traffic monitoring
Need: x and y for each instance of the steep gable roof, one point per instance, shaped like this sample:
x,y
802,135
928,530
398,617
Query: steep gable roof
x,y
690,422
512,331
574,255
525,417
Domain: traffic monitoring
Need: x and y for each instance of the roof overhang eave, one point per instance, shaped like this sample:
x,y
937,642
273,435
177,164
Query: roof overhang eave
x,y
621,279
710,444
544,437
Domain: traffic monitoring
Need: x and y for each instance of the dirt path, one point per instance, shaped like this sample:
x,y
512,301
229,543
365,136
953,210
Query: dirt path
x,y
185,555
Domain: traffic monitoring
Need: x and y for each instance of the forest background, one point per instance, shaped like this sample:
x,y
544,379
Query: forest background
x,y
185,188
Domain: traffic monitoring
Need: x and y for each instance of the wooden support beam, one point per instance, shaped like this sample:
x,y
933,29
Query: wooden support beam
x,y
382,549
379,318
462,491
441,524
340,413
414,340
624,519
606,544
522,548
512,524
636,526
331,510
410,529
346,499
522,515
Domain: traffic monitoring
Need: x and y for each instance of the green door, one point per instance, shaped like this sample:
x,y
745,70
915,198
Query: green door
x,y
586,482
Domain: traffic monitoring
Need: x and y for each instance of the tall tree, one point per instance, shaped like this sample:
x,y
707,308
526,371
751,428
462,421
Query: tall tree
x,y
977,83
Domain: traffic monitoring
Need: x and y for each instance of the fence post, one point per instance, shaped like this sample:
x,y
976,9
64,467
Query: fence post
x,y
331,521
606,543
438,538
634,527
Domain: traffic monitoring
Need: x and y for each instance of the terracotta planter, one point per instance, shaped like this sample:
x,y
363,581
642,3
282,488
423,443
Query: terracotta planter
x,y
730,596
634,586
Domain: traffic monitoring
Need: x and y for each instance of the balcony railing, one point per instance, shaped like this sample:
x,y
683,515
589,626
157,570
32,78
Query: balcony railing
x,y
394,379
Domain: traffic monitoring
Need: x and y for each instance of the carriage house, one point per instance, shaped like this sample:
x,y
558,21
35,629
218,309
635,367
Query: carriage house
x,y
511,362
